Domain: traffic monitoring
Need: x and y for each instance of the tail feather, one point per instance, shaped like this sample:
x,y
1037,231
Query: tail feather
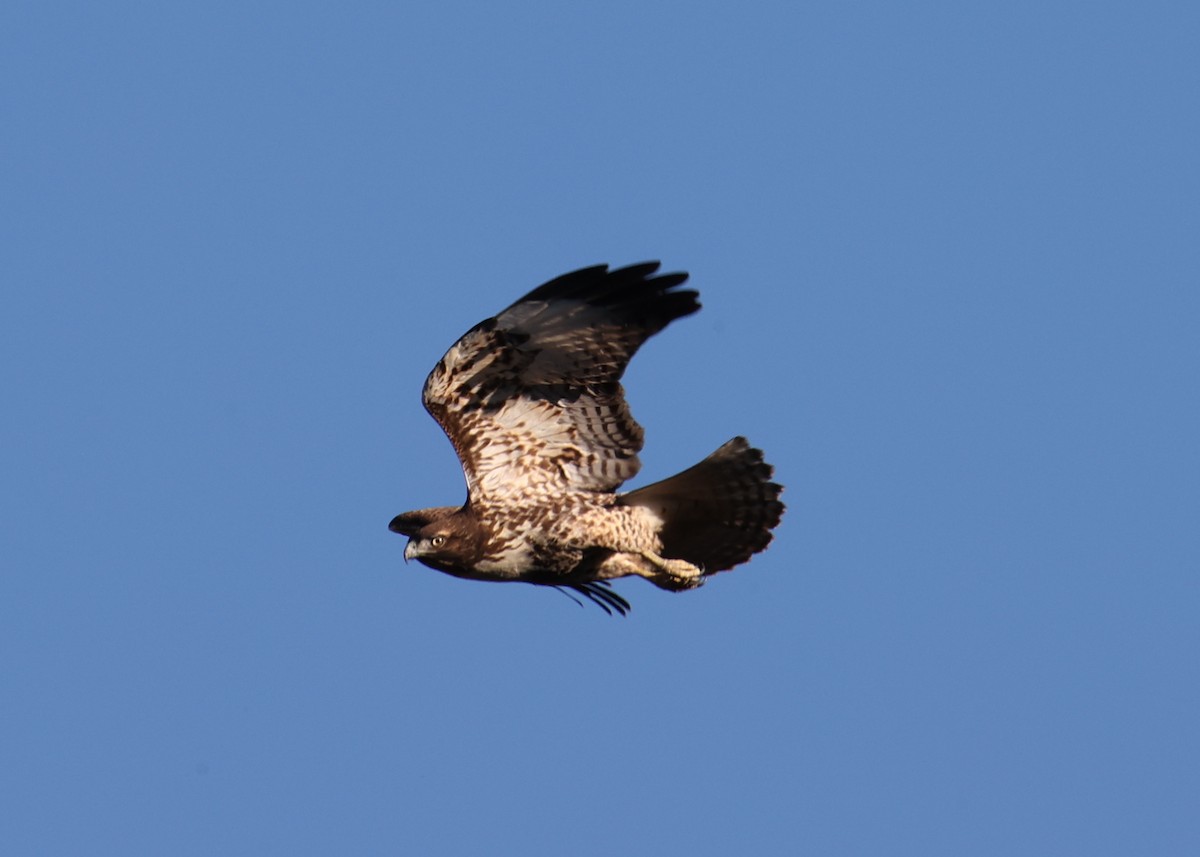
x,y
718,513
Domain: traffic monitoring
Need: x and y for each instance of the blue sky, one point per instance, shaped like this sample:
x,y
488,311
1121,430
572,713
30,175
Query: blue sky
x,y
949,261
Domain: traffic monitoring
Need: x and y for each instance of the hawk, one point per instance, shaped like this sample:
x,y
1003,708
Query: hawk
x,y
532,402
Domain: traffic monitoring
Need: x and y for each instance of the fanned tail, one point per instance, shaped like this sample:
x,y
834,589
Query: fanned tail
x,y
718,513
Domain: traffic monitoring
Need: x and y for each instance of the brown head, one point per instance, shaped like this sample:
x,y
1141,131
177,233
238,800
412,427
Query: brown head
x,y
447,538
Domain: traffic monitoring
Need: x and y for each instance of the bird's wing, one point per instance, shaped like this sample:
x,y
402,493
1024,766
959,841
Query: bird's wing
x,y
532,400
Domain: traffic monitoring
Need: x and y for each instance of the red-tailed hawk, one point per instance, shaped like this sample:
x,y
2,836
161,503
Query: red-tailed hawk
x,y
532,402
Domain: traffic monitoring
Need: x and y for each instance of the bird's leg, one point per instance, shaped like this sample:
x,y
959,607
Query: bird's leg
x,y
673,573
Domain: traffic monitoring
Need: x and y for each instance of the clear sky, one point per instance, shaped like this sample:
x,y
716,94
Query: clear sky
x,y
949,255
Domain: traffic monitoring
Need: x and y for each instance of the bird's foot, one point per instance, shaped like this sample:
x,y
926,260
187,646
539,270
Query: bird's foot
x,y
674,574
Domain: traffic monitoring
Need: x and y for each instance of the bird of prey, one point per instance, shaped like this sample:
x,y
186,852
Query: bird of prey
x,y
531,399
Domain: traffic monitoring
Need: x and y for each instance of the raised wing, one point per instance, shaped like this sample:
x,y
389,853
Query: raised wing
x,y
532,400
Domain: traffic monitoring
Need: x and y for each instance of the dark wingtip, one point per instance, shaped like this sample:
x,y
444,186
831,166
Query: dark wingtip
x,y
600,593
606,284
639,270
406,524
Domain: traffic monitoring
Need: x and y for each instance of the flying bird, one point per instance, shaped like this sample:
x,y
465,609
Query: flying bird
x,y
531,399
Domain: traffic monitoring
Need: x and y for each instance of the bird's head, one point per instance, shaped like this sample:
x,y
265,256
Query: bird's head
x,y
446,538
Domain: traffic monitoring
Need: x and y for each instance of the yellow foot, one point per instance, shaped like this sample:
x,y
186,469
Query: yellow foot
x,y
674,574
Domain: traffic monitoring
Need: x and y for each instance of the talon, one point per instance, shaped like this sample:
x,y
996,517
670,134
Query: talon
x,y
676,568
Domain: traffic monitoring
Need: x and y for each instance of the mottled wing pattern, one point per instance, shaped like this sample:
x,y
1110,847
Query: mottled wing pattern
x,y
532,400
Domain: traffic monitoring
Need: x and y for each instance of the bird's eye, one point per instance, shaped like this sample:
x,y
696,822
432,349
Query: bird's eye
x,y
437,541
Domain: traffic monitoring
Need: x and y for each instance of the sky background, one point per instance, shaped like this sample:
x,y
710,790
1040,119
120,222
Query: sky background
x,y
949,255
